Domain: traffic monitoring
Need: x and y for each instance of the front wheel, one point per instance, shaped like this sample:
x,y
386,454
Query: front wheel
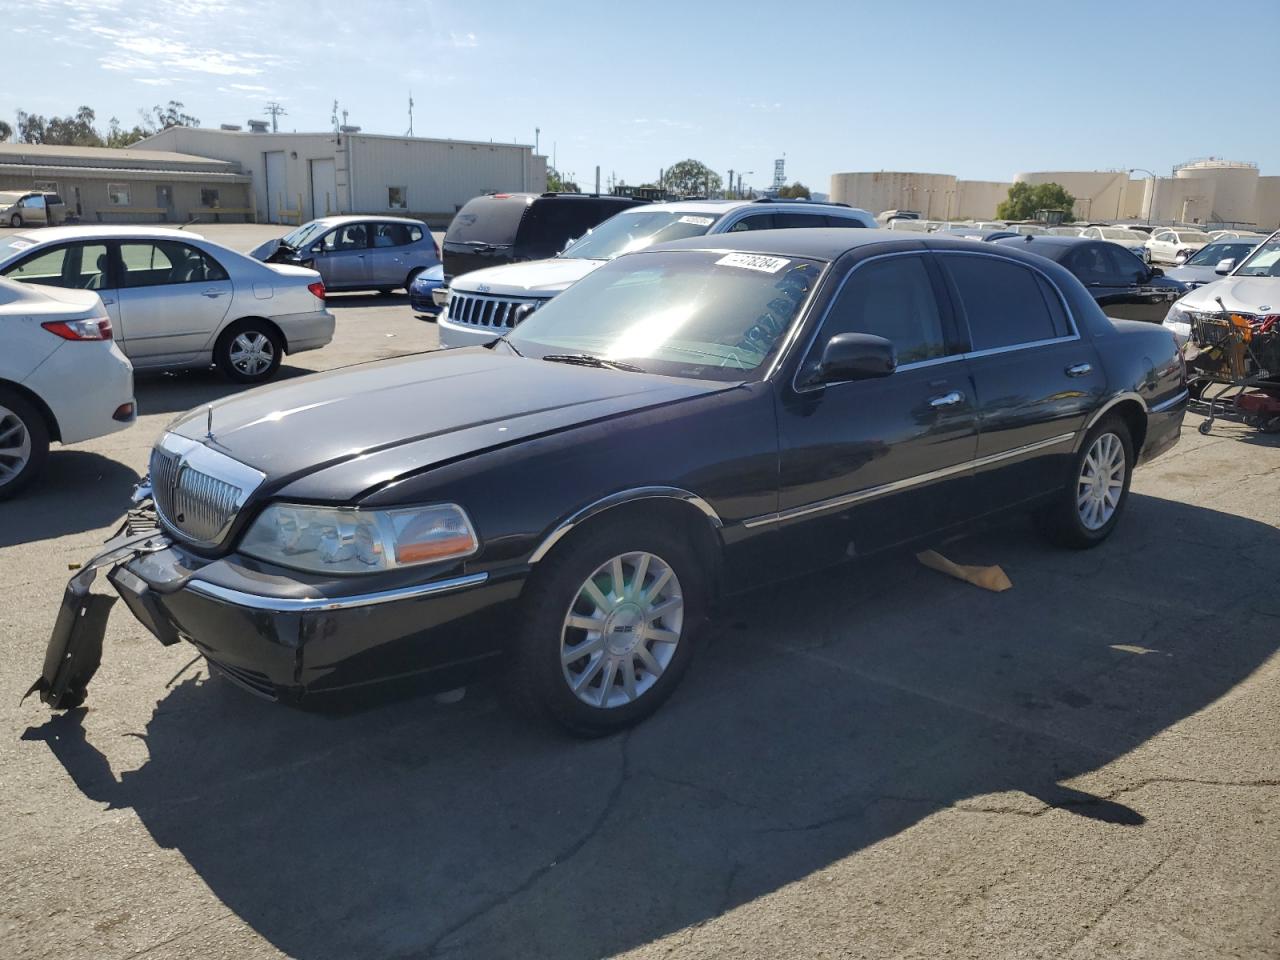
x,y
249,352
608,628
1088,508
15,220
24,443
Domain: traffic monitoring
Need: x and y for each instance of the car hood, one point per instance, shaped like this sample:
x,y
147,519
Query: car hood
x,y
1246,294
531,277
1192,274
265,249
336,435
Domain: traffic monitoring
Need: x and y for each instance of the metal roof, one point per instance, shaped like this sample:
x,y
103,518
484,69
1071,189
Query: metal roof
x,y
43,154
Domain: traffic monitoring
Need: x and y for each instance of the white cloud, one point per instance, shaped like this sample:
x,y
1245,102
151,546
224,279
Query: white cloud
x,y
463,39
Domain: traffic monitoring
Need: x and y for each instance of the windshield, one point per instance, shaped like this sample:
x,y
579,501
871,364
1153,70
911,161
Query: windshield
x,y
1265,261
1191,236
637,229
11,246
699,314
1225,249
297,239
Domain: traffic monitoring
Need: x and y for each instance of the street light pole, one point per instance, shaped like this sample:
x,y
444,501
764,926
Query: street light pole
x,y
1154,183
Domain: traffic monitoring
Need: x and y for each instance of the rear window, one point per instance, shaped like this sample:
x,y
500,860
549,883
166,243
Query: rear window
x,y
552,223
491,220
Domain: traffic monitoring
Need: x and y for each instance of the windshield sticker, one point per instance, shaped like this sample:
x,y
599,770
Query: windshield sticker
x,y
698,221
21,244
752,261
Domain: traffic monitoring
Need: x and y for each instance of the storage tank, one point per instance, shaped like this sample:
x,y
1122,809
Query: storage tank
x,y
1099,193
932,194
978,199
1235,186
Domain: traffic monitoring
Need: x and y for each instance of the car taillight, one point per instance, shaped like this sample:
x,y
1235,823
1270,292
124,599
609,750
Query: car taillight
x,y
317,288
95,328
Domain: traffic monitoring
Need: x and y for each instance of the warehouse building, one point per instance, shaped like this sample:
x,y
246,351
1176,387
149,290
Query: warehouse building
x,y
101,184
301,176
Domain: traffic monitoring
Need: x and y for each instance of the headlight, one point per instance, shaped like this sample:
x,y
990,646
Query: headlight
x,y
344,540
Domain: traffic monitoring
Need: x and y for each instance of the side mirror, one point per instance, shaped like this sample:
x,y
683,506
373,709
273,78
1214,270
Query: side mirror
x,y
1225,266
855,356
1157,272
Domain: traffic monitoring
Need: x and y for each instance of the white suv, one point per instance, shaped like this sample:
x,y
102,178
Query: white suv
x,y
487,303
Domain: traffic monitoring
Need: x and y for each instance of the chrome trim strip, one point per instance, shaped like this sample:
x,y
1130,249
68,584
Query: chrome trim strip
x,y
256,601
871,493
617,499
1171,402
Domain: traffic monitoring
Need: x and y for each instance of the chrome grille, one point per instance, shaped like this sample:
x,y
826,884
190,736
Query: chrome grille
x,y
190,499
478,310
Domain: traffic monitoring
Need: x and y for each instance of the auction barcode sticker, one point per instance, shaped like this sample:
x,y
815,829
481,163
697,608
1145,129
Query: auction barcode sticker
x,y
698,221
753,261
21,244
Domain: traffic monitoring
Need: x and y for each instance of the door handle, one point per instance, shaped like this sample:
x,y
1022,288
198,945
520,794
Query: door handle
x,y
1079,369
108,300
947,399
212,293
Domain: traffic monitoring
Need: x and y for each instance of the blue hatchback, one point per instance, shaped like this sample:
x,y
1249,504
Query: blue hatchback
x,y
420,291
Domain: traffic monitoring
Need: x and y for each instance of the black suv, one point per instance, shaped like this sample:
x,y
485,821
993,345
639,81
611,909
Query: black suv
x,y
505,227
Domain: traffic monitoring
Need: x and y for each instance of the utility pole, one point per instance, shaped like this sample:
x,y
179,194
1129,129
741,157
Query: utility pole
x,y
537,133
411,113
730,193
597,179
275,112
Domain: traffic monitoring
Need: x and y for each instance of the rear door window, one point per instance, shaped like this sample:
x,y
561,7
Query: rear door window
x,y
1003,302
788,221
759,221
832,221
391,234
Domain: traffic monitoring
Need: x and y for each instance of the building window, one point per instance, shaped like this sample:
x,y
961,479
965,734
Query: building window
x,y
118,194
47,186
208,197
397,198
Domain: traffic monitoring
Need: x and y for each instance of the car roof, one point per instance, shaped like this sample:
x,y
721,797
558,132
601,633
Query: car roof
x,y
721,207
52,234
363,218
825,243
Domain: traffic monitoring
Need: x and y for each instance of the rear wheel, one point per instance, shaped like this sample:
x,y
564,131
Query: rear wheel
x,y
249,352
24,443
607,628
1089,507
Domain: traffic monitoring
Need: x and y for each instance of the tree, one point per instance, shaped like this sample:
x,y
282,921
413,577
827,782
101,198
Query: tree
x,y
6,131
558,182
1026,199
75,130
692,178
172,116
118,136
796,191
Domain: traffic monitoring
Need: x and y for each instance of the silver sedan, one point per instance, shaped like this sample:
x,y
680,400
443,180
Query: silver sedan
x,y
177,300
357,252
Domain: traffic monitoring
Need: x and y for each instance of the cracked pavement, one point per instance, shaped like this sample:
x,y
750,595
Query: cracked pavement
x,y
875,761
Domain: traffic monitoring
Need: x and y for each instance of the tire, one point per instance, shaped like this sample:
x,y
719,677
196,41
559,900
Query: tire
x,y
385,291
242,348
24,443
1077,518
15,220
537,680
413,275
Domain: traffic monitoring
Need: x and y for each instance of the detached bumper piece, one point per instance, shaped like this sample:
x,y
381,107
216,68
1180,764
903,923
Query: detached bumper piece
x,y
74,652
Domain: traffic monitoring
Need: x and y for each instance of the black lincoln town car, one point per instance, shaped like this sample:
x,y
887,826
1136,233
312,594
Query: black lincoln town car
x,y
570,500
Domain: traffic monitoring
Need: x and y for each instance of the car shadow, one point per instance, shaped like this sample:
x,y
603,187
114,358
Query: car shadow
x,y
181,390
821,716
95,487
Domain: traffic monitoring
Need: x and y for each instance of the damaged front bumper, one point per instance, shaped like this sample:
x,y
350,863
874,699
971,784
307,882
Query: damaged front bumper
x,y
272,634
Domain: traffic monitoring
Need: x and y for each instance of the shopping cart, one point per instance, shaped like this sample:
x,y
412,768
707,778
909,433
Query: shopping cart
x,y
1234,360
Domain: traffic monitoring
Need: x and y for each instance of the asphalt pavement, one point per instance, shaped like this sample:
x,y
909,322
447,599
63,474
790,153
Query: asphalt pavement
x,y
876,761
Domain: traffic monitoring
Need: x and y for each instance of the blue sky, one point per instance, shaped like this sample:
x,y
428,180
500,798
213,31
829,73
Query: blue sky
x,y
982,90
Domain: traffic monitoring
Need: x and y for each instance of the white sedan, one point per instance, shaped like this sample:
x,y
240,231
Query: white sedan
x,y
178,300
62,377
1168,245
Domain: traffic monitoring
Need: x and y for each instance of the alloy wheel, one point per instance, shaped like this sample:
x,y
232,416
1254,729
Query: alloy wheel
x,y
15,445
622,630
1101,482
252,353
